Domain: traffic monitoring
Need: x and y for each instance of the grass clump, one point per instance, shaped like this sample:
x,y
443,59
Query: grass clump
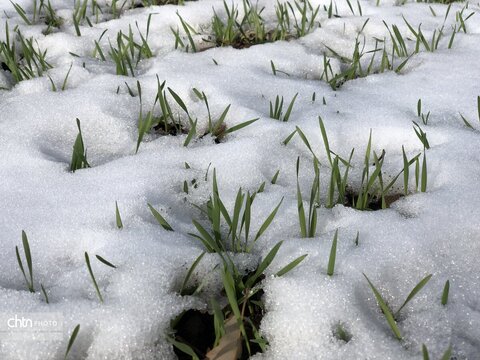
x,y
246,27
232,327
128,53
25,62
169,122
230,231
276,109
374,192
42,10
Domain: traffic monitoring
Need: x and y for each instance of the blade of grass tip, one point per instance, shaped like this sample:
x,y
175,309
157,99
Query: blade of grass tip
x,y
221,119
21,267
218,321
72,340
102,260
386,311
304,139
333,254
190,272
425,352
357,238
240,126
263,265
179,100
229,286
191,132
448,354
198,93
290,108
28,257
44,294
208,241
268,221
118,218
414,292
290,266
87,260
446,290
274,71
289,137
300,208
406,168
64,85
275,177
423,185
465,121
325,139
183,348
160,219
478,107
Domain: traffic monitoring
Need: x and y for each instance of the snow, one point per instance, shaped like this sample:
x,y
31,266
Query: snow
x,y
66,214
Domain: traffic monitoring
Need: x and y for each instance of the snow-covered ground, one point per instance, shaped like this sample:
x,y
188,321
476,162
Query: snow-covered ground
x,y
66,214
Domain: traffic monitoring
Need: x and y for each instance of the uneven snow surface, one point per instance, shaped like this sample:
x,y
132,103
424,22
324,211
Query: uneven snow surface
x,y
66,214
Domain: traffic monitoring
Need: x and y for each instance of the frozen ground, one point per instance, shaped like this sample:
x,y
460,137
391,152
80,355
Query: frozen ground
x,y
65,214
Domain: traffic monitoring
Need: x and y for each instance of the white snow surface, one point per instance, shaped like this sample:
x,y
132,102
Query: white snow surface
x,y
67,214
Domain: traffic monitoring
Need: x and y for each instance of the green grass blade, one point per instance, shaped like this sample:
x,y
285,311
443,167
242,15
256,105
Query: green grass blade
x,y
240,126
263,265
423,183
415,291
325,139
425,352
290,266
268,221
160,219
333,254
289,109
87,260
72,340
446,290
44,294
386,311
275,177
179,100
190,272
118,218
448,354
106,262
28,257
183,348
301,211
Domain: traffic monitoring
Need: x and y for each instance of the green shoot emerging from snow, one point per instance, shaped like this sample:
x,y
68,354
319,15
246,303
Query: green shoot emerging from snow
x,y
390,316
238,237
72,340
28,258
79,155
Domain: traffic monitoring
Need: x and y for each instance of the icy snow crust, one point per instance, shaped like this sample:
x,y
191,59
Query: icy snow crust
x,y
66,214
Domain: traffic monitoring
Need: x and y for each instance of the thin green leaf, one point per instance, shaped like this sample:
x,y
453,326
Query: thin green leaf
x,y
386,311
160,219
446,290
72,340
333,254
414,292
290,266
108,263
